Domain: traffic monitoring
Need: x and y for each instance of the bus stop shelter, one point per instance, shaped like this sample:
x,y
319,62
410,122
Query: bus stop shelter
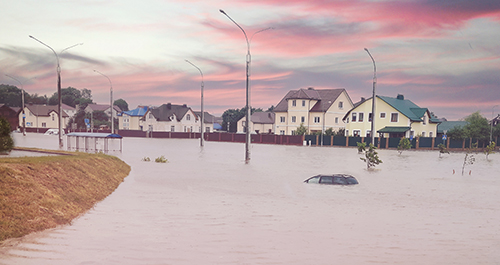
x,y
94,142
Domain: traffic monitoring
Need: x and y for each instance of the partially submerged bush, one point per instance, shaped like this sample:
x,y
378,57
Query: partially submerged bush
x,y
161,159
404,144
371,156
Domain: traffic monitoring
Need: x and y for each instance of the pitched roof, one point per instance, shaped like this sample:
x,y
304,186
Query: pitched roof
x,y
165,112
408,108
325,98
140,111
448,125
44,110
263,117
209,118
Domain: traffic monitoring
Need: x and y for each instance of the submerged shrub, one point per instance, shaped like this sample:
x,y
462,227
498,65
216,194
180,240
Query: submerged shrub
x,y
6,141
161,159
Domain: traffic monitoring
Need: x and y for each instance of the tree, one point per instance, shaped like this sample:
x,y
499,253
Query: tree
x,y
404,144
301,130
490,149
122,104
72,97
477,126
6,141
469,158
371,156
457,133
232,116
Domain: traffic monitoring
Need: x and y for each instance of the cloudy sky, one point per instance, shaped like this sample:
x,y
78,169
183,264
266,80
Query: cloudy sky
x,y
441,54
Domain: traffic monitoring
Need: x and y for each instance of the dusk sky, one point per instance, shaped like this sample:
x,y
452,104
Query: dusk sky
x,y
443,55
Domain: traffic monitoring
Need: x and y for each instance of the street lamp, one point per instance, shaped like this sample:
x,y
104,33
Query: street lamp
x,y
59,108
202,112
248,60
22,104
373,97
110,100
491,128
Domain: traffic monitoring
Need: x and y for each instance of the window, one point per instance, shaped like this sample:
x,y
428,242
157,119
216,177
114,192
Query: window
x,y
150,128
412,134
341,105
336,120
282,132
356,133
53,117
282,119
44,124
316,120
430,134
294,103
191,129
302,119
370,117
382,115
394,117
207,129
353,117
346,132
303,103
423,134
294,119
326,179
361,117
425,120
368,133
313,180
185,129
172,128
188,117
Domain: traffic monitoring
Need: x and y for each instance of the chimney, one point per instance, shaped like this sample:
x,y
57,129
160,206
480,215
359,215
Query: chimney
x,y
363,99
169,105
310,88
400,96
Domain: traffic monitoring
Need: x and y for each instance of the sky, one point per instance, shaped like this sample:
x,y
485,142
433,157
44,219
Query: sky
x,y
443,55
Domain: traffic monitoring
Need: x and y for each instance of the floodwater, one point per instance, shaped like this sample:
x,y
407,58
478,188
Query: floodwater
x,y
206,206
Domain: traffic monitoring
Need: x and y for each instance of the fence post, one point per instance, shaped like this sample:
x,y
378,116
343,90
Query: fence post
x,y
347,140
433,141
331,141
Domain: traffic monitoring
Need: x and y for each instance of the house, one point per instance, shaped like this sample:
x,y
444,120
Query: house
x,y
495,121
445,126
316,109
171,118
11,114
69,110
132,119
395,117
209,121
260,122
103,107
43,116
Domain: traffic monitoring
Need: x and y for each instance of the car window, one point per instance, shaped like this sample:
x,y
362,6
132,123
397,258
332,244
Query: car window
x,y
326,180
313,180
339,180
351,180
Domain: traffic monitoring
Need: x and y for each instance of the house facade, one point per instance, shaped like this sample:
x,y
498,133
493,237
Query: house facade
x,y
132,119
316,109
11,114
209,120
171,118
260,122
395,117
43,116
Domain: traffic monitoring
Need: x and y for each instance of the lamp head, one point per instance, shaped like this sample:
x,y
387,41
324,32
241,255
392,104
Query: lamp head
x,y
366,49
222,11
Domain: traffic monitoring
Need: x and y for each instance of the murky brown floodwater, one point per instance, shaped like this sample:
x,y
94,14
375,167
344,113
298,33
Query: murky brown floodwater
x,y
206,206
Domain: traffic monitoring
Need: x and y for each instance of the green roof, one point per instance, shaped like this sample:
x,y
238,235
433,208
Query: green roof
x,y
448,125
408,108
393,129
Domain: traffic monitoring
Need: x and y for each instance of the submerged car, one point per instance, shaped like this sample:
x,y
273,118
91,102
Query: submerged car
x,y
335,179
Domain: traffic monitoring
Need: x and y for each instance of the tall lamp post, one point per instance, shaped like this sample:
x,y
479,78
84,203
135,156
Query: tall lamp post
x,y
248,60
202,111
110,100
373,97
491,127
59,108
22,104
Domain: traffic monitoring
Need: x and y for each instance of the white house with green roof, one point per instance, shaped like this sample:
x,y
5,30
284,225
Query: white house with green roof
x,y
395,117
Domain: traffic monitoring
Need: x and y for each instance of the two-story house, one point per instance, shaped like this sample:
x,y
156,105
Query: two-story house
x,y
171,118
132,119
43,116
316,109
11,114
395,117
260,122
209,121
103,107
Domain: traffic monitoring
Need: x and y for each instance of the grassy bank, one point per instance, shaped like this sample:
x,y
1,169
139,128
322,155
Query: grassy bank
x,y
38,193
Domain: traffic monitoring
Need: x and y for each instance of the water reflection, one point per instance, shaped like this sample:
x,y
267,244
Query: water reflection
x,y
206,206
